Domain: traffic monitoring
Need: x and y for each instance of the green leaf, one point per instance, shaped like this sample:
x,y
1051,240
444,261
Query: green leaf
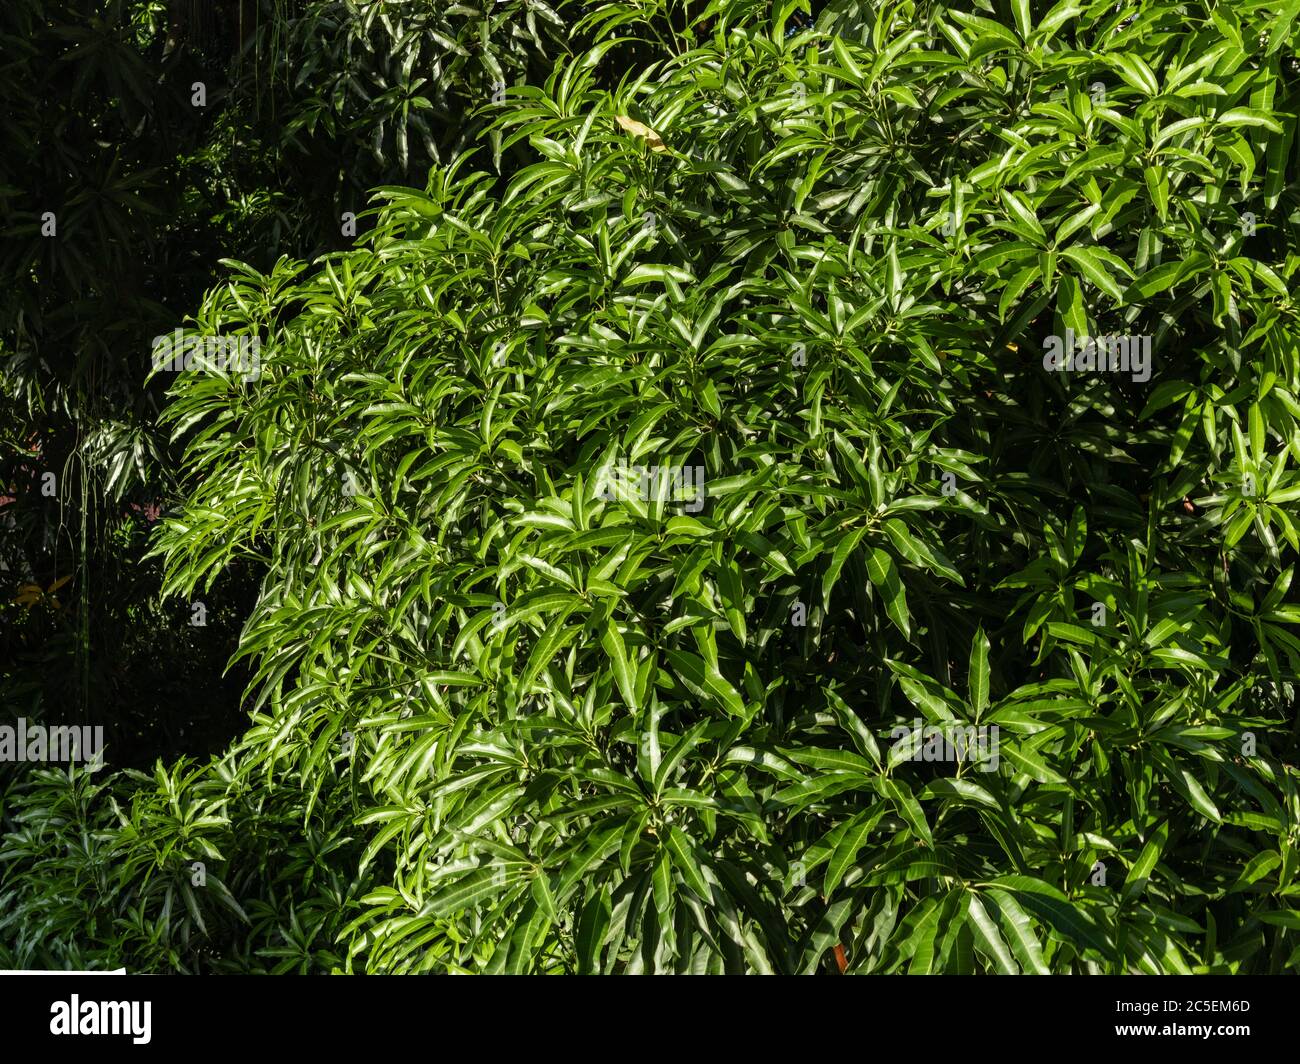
x,y
988,940
908,808
1069,304
1136,881
612,641
1023,759
1249,116
683,852
1020,933
1134,70
1093,265
979,672
843,549
1053,908
593,926
846,851
706,681
884,575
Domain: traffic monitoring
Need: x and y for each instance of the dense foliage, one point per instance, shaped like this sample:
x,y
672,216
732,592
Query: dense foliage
x,y
617,510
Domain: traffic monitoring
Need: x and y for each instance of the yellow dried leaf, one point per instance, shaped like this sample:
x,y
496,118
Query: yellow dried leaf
x,y
640,129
